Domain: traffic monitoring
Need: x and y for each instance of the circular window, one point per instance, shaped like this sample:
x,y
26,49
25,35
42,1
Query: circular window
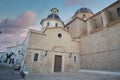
x,y
59,35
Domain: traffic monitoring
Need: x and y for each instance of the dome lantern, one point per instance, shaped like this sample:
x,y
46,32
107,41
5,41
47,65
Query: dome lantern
x,y
54,10
54,14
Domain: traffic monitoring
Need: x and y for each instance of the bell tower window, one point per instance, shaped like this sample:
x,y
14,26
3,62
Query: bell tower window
x,y
118,11
84,17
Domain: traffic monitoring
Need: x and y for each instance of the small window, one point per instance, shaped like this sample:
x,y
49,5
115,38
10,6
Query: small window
x,y
36,57
48,24
56,24
118,11
84,17
75,59
59,35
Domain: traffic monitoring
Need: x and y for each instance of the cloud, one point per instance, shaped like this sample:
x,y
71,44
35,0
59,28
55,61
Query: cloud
x,y
72,2
9,26
6,38
27,19
15,29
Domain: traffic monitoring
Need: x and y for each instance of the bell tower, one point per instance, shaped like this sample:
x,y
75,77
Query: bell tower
x,y
52,20
84,13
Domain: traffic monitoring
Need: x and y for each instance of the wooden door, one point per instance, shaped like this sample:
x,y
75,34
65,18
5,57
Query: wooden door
x,y
58,63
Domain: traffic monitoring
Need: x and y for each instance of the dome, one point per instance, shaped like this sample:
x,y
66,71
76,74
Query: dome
x,y
84,9
54,16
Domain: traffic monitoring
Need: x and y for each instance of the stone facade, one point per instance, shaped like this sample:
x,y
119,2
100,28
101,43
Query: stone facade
x,y
47,45
75,29
83,43
100,44
101,50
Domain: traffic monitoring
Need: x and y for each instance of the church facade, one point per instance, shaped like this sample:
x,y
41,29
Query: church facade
x,y
88,41
52,49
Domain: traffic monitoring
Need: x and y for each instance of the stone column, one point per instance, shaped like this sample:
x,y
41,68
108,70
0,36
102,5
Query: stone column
x,y
106,17
91,25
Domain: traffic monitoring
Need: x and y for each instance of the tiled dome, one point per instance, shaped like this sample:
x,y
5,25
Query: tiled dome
x,y
84,9
54,16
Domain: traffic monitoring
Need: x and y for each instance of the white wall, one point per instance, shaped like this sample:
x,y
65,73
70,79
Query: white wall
x,y
2,57
18,53
52,23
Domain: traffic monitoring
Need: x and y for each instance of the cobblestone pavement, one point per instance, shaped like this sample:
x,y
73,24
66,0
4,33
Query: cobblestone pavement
x,y
7,73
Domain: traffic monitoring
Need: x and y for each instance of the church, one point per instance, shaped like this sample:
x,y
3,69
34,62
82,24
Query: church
x,y
87,42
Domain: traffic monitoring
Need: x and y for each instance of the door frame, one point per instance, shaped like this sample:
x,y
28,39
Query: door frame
x,y
53,59
56,62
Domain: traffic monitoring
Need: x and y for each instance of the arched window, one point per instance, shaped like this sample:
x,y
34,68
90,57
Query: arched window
x,y
36,57
84,17
56,24
118,11
48,24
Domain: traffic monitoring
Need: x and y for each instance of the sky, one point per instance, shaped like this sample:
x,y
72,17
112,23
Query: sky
x,y
18,16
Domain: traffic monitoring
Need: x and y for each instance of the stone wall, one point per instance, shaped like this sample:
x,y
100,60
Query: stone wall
x,y
50,40
42,65
49,44
101,50
77,28
45,63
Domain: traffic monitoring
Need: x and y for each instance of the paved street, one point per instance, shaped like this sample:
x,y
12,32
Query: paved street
x,y
7,73
71,76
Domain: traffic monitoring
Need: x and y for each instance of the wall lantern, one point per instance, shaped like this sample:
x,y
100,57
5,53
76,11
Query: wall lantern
x,y
46,53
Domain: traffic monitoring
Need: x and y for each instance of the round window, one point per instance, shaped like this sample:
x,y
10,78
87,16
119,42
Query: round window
x,y
59,35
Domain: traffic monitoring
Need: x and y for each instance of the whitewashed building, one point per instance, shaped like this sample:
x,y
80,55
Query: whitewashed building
x,y
15,55
2,57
